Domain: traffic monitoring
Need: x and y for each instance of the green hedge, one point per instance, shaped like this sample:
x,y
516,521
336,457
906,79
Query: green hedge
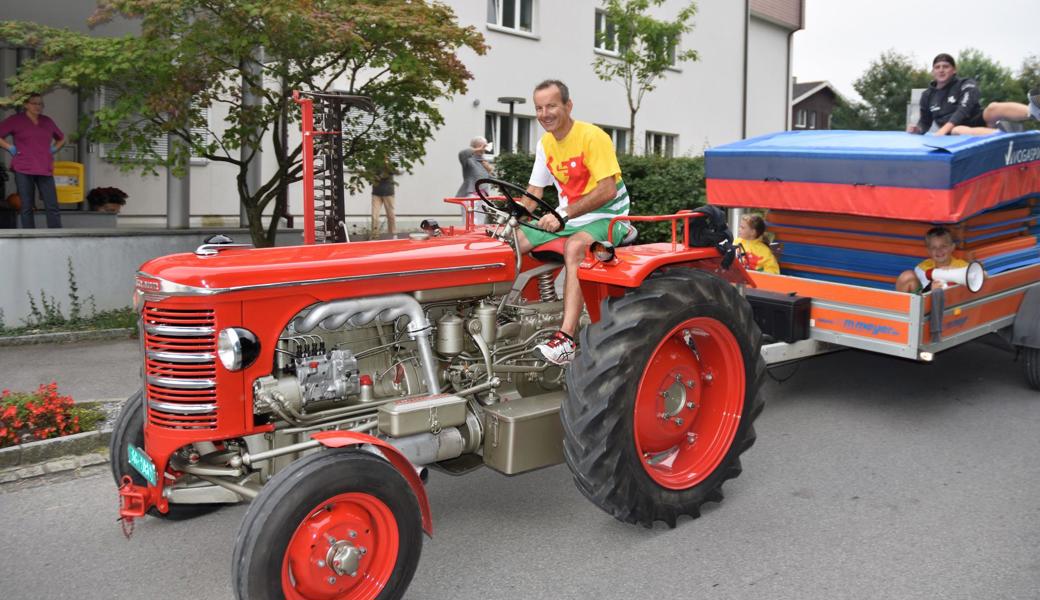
x,y
656,185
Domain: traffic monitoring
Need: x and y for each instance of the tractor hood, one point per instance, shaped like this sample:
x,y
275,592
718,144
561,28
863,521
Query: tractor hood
x,y
377,266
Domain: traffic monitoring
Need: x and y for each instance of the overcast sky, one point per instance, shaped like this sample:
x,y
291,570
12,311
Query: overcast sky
x,y
841,38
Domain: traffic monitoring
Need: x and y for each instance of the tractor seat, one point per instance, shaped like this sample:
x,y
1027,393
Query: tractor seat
x,y
552,251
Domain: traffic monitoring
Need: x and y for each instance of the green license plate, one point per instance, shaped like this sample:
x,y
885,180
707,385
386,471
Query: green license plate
x,y
142,464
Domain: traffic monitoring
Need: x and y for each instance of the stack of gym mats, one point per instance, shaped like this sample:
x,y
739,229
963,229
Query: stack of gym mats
x,y
853,206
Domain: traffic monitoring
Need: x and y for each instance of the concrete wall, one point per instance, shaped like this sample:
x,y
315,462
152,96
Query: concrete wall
x,y
104,263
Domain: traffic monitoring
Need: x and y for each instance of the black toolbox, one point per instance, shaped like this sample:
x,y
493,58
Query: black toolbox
x,y
785,317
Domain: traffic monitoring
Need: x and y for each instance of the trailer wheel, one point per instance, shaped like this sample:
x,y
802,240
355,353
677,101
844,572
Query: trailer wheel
x,y
129,430
1031,363
340,524
662,396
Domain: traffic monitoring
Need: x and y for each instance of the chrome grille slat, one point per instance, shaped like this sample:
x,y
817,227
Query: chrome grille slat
x,y
181,384
182,409
180,367
179,330
181,357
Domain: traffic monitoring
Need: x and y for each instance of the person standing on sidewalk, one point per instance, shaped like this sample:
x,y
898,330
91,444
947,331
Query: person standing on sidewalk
x,y
35,138
383,198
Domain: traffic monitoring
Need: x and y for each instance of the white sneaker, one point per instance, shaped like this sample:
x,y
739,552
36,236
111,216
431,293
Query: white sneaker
x,y
558,349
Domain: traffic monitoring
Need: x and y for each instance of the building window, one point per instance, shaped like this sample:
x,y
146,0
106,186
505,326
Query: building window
x,y
619,136
511,14
606,36
812,119
498,128
661,144
800,118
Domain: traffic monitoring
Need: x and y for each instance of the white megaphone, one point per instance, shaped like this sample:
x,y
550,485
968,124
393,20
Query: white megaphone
x,y
971,276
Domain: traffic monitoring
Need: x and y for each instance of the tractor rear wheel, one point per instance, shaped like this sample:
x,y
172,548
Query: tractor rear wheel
x,y
662,397
339,524
129,431
1031,363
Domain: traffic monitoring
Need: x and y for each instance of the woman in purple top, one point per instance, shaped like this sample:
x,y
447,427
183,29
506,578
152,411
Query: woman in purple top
x,y
35,139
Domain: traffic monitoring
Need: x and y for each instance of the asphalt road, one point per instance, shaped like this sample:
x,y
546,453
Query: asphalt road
x,y
872,478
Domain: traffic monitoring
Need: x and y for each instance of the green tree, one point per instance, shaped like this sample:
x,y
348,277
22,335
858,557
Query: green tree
x,y
645,48
1029,74
849,114
885,88
194,55
996,83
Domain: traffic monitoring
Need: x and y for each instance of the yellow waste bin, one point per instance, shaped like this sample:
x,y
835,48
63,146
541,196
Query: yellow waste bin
x,y
68,179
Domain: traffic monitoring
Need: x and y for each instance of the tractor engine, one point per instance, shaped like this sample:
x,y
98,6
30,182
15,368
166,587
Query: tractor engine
x,y
399,368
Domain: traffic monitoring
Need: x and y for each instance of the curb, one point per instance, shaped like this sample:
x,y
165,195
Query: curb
x,y
47,457
67,337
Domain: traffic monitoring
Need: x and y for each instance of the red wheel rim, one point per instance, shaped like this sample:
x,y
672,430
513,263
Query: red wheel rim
x,y
689,403
354,530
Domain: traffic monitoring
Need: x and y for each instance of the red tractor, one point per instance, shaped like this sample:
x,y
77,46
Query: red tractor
x,y
320,382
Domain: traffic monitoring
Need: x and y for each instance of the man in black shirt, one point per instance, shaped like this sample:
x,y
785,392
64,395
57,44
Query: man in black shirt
x,y
949,101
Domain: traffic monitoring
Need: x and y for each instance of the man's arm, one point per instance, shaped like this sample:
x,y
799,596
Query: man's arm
x,y
603,193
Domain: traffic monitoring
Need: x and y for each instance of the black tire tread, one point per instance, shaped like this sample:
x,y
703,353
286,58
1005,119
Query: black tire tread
x,y
1031,365
597,440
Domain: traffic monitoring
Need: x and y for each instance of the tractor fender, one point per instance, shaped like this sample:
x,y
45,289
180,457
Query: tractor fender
x,y
1026,330
342,439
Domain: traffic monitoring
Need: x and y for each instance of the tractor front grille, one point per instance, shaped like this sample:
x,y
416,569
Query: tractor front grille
x,y
180,347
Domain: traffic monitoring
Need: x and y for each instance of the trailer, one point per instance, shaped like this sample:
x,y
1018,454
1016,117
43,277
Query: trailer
x,y
848,210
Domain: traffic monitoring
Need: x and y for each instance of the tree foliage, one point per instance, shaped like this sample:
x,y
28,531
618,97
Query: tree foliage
x,y
197,55
1029,74
996,83
645,48
885,89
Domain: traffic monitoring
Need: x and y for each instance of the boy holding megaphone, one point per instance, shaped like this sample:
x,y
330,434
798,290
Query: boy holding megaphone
x,y
940,267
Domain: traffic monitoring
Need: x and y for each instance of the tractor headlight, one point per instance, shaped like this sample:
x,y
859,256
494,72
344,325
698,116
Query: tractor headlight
x,y
237,348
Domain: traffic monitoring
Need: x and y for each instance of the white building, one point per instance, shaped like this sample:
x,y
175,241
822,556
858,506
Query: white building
x,y
740,87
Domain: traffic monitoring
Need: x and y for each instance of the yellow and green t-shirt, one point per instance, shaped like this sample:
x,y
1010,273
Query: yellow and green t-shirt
x,y
576,164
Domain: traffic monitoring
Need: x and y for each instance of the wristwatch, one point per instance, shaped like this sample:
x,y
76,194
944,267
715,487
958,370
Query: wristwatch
x,y
562,211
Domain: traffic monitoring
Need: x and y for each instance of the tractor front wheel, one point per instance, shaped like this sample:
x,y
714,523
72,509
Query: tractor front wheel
x,y
339,524
662,396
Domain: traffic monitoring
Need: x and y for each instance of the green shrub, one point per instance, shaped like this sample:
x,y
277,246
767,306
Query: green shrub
x,y
656,186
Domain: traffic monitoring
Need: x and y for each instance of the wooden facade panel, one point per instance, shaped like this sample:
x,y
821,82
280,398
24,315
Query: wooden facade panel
x,y
784,12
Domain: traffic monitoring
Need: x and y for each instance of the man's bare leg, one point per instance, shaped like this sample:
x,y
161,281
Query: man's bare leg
x,y
1005,111
573,253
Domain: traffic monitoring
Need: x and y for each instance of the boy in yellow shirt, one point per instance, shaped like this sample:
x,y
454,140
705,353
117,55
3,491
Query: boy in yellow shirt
x,y
940,245
759,256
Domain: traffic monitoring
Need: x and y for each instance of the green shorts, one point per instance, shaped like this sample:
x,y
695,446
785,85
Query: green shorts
x,y
597,229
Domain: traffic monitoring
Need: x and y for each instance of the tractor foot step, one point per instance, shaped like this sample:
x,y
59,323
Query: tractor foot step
x,y
459,466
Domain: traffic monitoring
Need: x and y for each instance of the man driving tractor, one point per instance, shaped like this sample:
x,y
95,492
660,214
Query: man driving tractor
x,y
579,159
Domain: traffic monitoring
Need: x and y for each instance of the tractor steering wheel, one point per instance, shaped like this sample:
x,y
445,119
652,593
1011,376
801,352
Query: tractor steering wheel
x,y
514,207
